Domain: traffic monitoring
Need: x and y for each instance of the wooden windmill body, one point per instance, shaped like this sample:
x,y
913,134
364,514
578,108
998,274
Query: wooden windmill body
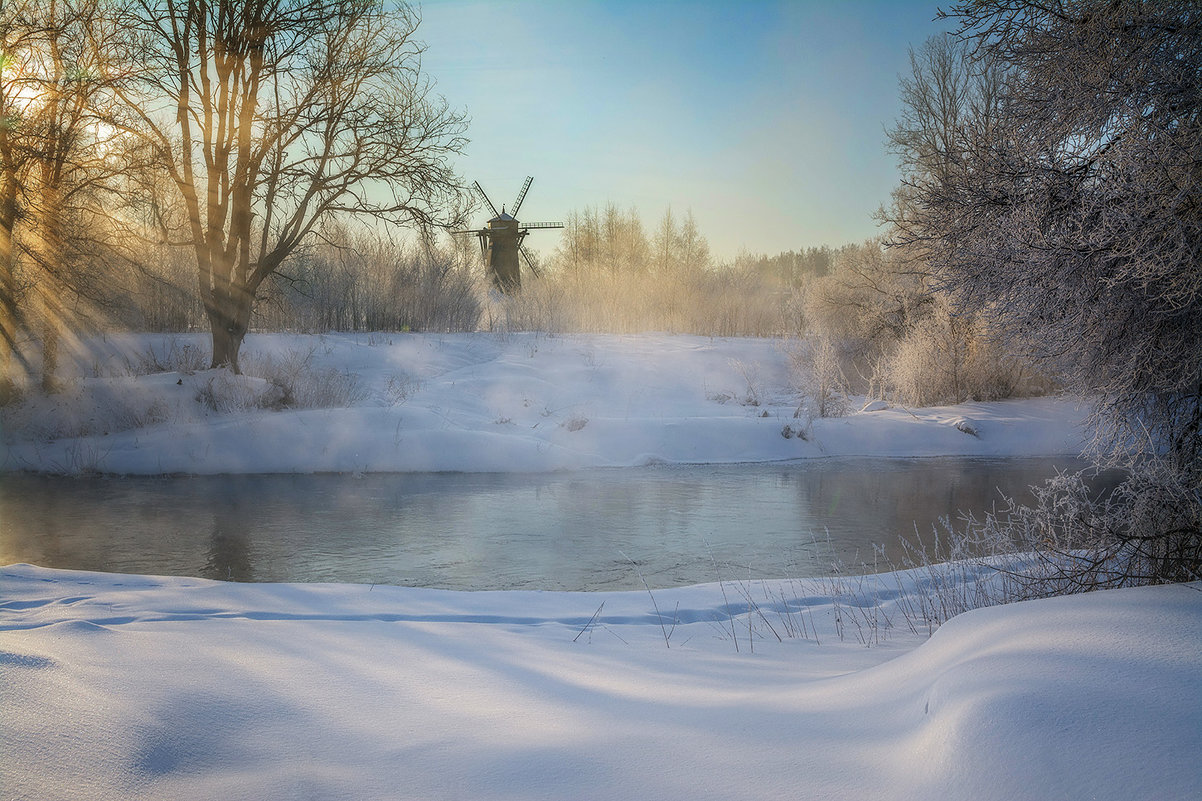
x,y
501,242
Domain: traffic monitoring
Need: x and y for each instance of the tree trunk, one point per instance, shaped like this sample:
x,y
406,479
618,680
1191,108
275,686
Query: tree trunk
x,y
229,319
9,311
8,317
50,340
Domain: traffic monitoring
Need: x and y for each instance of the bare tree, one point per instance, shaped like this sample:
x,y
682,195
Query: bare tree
x,y
679,245
870,294
665,240
1072,219
946,94
17,88
603,239
272,116
694,249
57,155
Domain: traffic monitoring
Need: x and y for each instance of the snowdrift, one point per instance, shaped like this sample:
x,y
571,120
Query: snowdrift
x,y
138,687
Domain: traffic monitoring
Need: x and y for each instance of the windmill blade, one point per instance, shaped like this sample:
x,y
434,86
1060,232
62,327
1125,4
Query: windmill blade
x,y
530,262
535,225
480,191
517,204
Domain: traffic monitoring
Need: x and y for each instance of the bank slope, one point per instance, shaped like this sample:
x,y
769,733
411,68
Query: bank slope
x,y
142,687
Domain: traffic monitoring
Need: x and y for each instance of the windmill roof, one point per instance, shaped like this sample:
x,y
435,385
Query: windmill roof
x,y
502,217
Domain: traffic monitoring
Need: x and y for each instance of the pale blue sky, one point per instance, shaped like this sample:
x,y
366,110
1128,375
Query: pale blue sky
x,y
765,118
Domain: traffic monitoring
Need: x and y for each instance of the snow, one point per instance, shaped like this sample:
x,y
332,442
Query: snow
x,y
139,687
478,402
142,687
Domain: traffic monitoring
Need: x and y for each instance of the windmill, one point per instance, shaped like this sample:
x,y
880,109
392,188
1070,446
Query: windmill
x,y
501,241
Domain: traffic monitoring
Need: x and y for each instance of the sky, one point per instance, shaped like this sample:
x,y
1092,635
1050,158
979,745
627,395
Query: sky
x,y
765,118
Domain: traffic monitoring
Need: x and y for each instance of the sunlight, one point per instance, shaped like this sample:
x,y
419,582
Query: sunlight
x,y
841,441
19,90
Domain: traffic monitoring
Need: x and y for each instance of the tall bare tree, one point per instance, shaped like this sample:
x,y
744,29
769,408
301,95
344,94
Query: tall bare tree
x,y
17,89
694,249
946,94
270,116
665,241
1073,218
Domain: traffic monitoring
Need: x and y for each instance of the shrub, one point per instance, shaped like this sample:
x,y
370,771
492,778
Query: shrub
x,y
298,384
950,358
818,375
80,409
1147,531
175,357
595,299
227,393
369,284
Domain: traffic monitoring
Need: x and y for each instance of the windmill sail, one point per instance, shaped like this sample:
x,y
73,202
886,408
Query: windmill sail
x,y
480,191
517,204
530,262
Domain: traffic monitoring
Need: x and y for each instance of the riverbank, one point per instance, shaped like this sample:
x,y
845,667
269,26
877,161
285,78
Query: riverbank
x,y
138,687
142,405
142,687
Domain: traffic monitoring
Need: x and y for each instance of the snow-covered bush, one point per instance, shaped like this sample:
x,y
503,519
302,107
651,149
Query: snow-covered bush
x,y
884,331
867,303
401,387
298,384
80,409
173,356
949,358
1147,531
226,393
540,306
1072,539
819,378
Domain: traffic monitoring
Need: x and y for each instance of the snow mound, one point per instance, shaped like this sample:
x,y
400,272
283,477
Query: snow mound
x,y
140,687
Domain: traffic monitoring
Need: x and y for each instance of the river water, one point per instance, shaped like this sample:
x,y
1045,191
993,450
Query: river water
x,y
584,530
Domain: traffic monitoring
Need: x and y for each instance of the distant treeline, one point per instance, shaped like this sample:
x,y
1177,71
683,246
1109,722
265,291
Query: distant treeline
x,y
605,274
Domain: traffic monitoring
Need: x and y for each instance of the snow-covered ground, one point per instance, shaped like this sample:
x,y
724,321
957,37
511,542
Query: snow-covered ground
x,y
167,688
115,686
481,402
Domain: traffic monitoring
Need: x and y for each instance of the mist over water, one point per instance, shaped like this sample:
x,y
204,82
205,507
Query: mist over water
x,y
586,530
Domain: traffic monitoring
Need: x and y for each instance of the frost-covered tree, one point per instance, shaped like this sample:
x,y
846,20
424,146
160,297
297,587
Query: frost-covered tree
x,y
1072,219
946,93
603,238
942,354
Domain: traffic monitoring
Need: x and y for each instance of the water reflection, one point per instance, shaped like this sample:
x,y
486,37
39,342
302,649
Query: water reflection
x,y
586,530
229,554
